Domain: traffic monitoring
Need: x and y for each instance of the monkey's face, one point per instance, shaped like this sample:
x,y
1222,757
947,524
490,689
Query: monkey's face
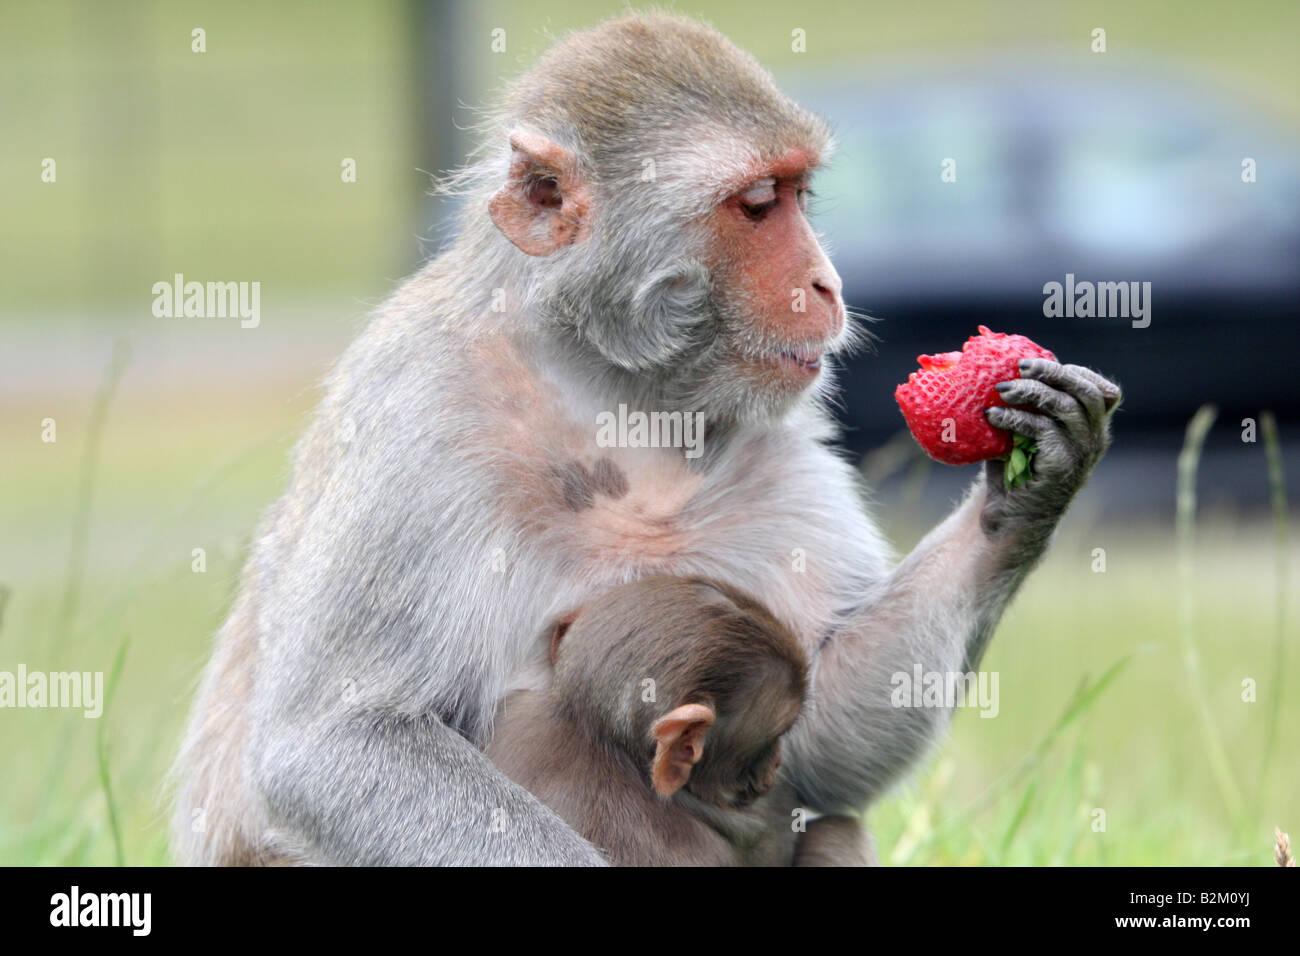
x,y
775,293
743,753
731,308
745,756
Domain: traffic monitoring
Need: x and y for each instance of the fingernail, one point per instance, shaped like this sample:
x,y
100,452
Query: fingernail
x,y
1002,386
1026,364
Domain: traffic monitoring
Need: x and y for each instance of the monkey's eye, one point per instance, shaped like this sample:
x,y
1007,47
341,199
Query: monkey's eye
x,y
759,199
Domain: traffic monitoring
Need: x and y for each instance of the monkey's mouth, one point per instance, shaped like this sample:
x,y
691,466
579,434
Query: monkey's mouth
x,y
808,359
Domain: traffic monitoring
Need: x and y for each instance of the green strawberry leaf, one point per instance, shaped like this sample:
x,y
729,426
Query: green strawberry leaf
x,y
1017,472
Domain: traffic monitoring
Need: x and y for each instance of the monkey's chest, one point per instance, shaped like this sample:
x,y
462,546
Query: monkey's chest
x,y
618,517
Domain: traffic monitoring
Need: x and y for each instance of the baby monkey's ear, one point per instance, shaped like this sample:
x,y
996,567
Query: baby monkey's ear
x,y
679,736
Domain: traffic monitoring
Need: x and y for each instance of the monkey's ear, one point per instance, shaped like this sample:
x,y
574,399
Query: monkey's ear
x,y
680,745
545,203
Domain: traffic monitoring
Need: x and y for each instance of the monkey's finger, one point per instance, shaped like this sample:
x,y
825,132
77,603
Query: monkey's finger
x,y
1110,392
1029,424
1062,406
1066,379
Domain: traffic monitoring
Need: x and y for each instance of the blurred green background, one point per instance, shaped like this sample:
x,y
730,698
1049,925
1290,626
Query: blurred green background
x,y
174,435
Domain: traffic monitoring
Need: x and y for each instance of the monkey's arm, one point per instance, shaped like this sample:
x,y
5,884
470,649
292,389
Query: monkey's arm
x,y
394,790
938,608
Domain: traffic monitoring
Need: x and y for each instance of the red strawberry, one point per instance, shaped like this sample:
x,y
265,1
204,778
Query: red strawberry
x,y
944,402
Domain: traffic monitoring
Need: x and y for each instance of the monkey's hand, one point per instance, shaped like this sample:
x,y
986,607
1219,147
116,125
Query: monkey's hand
x,y
1070,423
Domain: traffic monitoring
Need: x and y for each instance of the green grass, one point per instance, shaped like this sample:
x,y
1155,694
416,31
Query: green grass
x,y
221,164
1096,708
1022,788
175,472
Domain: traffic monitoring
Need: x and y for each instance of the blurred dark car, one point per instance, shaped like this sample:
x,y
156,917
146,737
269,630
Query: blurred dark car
x,y
1106,175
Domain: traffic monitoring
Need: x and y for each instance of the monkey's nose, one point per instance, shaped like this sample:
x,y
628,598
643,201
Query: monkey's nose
x,y
829,290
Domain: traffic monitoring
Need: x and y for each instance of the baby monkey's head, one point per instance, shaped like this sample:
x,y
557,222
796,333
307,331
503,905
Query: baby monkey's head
x,y
692,679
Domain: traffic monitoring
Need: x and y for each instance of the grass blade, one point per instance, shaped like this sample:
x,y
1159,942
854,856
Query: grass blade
x,y
85,490
101,752
1016,820
1188,462
1277,487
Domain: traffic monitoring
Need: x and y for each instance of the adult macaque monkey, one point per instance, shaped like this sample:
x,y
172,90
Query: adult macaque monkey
x,y
634,235
658,737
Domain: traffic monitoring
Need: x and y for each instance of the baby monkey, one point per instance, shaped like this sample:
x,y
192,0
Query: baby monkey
x,y
659,738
